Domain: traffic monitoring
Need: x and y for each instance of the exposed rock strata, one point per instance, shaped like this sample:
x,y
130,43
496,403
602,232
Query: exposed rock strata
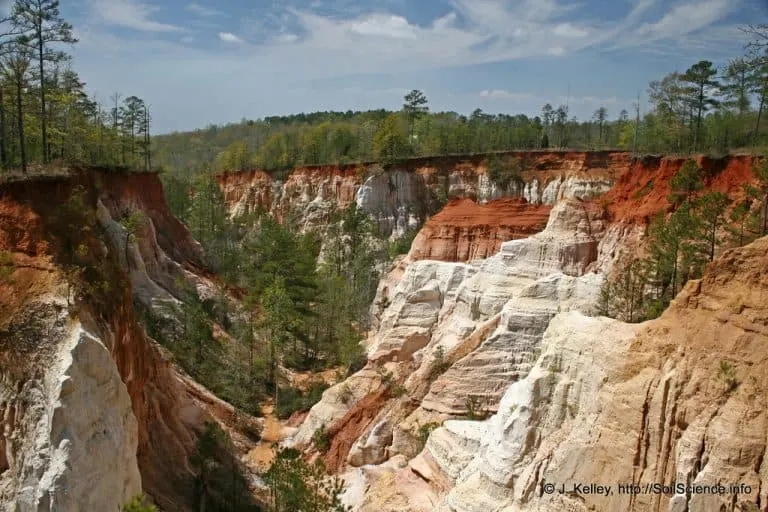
x,y
680,399
404,197
103,416
486,318
465,231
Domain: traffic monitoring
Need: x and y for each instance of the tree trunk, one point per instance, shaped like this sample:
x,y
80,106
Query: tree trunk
x,y
759,115
43,113
765,214
3,153
20,113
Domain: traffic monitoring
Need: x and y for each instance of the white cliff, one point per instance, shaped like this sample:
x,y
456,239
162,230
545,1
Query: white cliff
x,y
69,437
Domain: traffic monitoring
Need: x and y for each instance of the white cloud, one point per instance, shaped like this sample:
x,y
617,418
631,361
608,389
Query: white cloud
x,y
687,18
286,38
129,14
384,25
501,94
568,30
229,37
201,10
556,50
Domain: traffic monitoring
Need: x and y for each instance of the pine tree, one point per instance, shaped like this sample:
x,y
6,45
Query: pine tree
x,y
41,20
686,182
276,322
711,209
701,77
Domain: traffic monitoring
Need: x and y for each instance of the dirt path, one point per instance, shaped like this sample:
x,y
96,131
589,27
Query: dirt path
x,y
261,456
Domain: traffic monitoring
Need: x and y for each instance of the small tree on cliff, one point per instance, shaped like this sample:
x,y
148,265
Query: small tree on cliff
x,y
711,210
132,225
623,295
297,485
139,504
686,182
276,323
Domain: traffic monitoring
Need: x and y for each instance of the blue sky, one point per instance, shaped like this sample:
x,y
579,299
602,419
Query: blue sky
x,y
200,62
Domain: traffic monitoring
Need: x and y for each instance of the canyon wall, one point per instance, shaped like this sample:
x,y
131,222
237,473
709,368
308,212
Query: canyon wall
x,y
406,194
91,411
488,372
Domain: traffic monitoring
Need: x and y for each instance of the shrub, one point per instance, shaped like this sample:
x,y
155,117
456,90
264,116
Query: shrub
x,y
296,485
439,364
425,430
727,373
647,188
6,266
138,504
321,439
477,408
345,394
403,244
292,400
502,174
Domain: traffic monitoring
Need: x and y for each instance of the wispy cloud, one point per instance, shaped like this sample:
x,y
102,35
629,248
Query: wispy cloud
x,y
229,37
501,94
202,10
687,18
131,14
384,25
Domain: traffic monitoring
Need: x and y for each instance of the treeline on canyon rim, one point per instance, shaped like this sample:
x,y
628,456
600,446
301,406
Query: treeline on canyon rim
x,y
680,245
704,109
46,114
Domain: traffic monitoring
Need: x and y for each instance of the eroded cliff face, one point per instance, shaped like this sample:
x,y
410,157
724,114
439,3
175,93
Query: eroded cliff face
x,y
452,332
91,411
465,231
513,338
678,400
404,196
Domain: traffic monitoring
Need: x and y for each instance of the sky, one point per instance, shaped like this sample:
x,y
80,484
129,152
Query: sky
x,y
212,62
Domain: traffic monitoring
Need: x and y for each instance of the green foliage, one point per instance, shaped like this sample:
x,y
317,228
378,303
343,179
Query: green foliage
x,y
234,158
138,504
425,431
345,394
623,295
6,266
726,372
503,173
296,485
439,363
206,217
478,408
132,223
686,182
402,245
389,142
321,439
293,400
644,191
220,483
679,246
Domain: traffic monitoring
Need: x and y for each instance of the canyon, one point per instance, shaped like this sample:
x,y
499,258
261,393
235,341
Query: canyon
x,y
492,315
488,371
